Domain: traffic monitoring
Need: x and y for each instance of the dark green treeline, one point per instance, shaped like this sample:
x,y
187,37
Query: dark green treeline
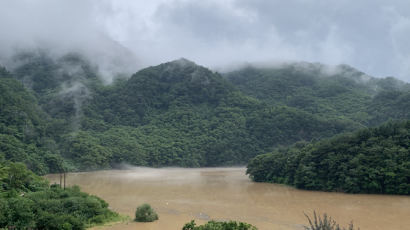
x,y
374,160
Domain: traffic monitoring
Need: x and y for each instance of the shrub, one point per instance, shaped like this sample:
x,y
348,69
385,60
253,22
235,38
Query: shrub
x,y
145,213
215,225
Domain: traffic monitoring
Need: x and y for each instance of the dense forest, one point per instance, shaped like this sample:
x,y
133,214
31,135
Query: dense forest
x,y
339,92
371,160
58,115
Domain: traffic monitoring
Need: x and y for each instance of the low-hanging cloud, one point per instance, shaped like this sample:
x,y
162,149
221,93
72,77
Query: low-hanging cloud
x,y
370,35
62,27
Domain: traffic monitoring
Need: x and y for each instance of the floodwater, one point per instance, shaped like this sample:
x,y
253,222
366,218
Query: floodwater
x,y
180,195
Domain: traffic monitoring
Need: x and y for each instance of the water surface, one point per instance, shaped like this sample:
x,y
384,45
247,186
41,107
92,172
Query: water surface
x,y
180,195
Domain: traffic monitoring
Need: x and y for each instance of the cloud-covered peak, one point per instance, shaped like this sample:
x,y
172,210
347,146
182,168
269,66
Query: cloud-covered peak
x,y
369,35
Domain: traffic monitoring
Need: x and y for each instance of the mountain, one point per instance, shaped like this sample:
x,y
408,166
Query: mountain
x,y
24,135
20,115
371,160
340,92
182,114
179,113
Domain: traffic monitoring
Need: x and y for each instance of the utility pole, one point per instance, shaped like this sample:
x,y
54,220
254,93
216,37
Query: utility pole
x,y
61,180
64,179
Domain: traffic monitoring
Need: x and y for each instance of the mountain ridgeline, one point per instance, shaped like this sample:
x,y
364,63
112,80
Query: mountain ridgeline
x,y
340,92
56,114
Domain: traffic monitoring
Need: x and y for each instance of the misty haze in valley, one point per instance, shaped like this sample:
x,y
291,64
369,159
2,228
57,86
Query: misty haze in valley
x,y
215,114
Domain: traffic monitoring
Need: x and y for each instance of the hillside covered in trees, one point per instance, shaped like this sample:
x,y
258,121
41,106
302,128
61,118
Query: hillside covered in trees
x,y
371,160
339,92
57,114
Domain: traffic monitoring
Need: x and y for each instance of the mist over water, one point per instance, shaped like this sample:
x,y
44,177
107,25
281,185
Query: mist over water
x,y
180,195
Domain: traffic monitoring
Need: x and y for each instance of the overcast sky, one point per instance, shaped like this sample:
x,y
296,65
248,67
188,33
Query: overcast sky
x,y
371,35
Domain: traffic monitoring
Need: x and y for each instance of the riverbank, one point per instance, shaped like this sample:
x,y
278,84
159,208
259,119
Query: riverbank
x,y
180,195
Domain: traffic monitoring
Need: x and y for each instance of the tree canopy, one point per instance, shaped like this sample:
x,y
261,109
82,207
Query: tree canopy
x,y
57,115
27,201
372,160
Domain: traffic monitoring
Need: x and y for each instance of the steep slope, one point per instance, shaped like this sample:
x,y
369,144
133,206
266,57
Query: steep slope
x,y
157,89
61,84
23,127
19,113
179,113
392,104
339,92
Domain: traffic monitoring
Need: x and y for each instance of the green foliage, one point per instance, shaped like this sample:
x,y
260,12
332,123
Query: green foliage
x,y
23,127
61,117
26,201
287,125
16,177
18,212
86,151
341,93
145,213
19,115
216,225
375,160
44,73
325,223
393,104
182,114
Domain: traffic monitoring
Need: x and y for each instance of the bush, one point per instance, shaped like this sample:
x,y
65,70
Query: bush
x,y
145,213
27,202
215,225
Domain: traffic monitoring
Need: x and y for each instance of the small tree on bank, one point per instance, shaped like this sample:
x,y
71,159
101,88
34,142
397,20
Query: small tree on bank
x,y
145,213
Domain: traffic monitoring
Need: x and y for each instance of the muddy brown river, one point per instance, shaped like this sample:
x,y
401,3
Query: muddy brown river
x,y
180,195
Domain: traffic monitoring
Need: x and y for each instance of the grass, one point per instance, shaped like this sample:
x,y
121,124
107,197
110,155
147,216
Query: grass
x,y
325,223
111,221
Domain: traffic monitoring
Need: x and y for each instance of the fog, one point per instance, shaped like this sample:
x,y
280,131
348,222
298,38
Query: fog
x,y
123,36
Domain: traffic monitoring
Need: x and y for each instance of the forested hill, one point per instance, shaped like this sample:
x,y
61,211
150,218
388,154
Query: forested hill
x,y
174,114
158,89
24,127
375,160
339,91
179,113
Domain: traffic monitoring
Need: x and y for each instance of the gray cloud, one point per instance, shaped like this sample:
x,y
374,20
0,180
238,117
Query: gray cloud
x,y
61,27
370,35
